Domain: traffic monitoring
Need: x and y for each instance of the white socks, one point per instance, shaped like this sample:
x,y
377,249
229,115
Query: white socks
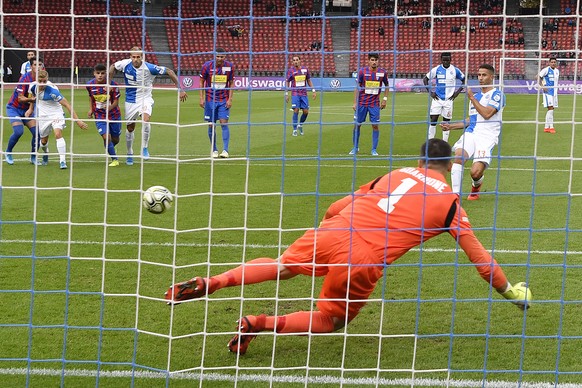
x,y
549,119
457,177
446,135
146,127
431,131
129,142
477,183
61,148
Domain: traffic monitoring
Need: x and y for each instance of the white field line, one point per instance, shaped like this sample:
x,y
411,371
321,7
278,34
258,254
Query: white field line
x,y
417,382
255,246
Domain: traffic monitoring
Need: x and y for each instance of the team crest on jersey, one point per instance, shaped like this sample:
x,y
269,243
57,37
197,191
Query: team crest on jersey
x,y
497,97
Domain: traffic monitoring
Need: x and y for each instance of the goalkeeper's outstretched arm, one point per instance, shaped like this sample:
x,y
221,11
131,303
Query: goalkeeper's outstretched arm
x,y
492,273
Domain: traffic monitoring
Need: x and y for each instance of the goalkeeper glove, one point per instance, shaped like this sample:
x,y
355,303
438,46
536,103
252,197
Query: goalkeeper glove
x,y
519,295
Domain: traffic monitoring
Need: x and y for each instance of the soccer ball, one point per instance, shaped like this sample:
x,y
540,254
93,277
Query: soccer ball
x,y
522,288
157,199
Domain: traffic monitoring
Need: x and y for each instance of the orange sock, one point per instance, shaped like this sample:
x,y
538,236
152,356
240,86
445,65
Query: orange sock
x,y
301,322
255,271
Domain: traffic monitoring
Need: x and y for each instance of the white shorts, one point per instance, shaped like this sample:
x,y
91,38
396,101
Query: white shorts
x,y
133,110
442,108
478,147
46,125
550,100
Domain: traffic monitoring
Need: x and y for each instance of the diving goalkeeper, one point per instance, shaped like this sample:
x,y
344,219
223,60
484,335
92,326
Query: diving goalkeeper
x,y
359,236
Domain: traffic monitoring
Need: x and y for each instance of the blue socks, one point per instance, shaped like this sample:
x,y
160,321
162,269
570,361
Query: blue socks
x,y
225,137
18,131
375,137
356,137
295,117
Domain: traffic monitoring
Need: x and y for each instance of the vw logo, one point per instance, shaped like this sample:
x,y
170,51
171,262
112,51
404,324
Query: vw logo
x,y
187,82
335,83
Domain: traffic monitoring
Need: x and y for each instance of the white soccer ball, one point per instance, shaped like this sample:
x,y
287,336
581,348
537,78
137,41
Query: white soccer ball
x,y
157,199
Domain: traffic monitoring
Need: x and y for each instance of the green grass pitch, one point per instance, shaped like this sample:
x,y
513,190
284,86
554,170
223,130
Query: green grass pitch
x,y
98,264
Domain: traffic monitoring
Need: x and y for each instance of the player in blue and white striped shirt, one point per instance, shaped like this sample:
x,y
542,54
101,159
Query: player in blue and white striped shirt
x,y
49,104
548,81
482,130
139,77
444,93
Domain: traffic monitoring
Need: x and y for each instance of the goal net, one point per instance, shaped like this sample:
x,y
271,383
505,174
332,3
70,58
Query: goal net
x,y
84,266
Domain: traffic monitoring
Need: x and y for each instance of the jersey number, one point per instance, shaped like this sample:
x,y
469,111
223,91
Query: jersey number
x,y
387,204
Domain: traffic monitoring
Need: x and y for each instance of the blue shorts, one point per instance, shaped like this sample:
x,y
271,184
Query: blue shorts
x,y
17,115
362,113
301,102
114,128
214,111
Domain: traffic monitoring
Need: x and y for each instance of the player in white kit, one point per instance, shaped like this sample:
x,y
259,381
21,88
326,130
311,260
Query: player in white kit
x,y
548,81
49,104
139,77
443,94
482,129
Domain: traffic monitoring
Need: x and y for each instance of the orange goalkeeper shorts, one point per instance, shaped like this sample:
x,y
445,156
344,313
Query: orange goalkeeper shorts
x,y
350,267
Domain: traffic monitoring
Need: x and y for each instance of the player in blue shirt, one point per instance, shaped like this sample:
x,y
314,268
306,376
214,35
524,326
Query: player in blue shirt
x,y
443,94
139,77
15,110
548,81
49,104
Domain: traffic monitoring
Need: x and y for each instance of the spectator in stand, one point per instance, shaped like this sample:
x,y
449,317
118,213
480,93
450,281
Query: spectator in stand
x,y
381,31
354,23
554,44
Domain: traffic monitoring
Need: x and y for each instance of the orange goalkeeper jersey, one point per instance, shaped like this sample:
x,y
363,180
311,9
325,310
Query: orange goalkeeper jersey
x,y
402,209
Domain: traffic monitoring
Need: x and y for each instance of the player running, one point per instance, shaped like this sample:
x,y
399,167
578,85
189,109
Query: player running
x,y
105,109
16,111
139,77
49,104
359,236
482,129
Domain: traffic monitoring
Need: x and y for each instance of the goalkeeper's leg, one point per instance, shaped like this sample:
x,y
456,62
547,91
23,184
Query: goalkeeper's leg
x,y
254,271
301,322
